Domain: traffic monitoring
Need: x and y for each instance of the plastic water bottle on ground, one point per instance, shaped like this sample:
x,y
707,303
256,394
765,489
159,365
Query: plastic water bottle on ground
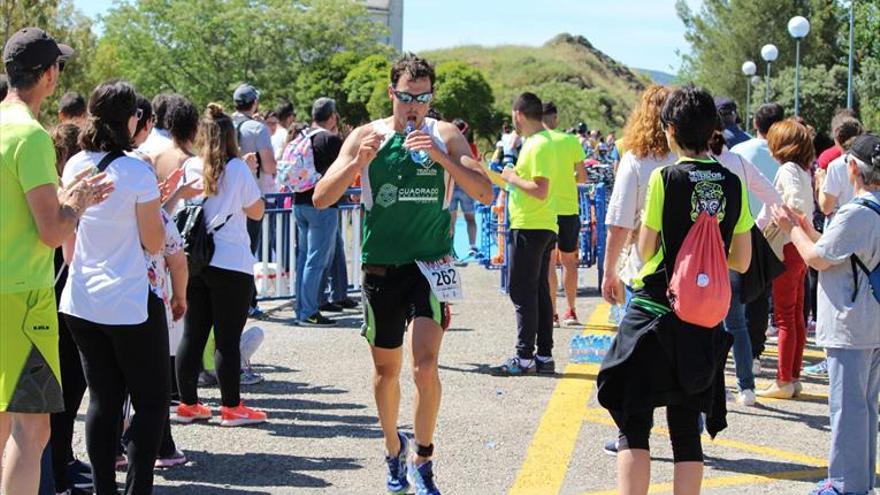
x,y
420,156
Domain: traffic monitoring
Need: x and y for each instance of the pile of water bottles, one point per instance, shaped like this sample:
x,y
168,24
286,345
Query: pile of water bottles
x,y
589,348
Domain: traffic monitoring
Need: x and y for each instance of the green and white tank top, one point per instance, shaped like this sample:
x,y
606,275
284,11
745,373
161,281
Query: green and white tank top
x,y
407,203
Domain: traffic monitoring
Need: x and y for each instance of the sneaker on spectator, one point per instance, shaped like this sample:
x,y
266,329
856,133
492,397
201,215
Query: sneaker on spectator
x,y
241,415
331,307
746,397
255,312
318,320
827,487
178,458
513,367
475,253
545,367
250,377
756,367
187,414
207,378
79,477
798,388
555,321
611,447
818,370
570,317
121,462
348,303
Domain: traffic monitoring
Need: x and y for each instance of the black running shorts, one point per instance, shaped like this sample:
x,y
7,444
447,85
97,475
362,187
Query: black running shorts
x,y
393,297
569,232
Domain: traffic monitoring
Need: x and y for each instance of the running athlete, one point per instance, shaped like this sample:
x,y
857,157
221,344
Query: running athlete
x,y
406,221
37,217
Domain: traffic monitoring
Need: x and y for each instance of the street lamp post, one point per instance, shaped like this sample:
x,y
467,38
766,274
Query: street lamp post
x,y
769,53
749,69
798,28
849,78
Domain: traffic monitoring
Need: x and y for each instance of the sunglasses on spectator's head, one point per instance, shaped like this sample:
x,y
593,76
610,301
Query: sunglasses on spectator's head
x,y
404,97
138,113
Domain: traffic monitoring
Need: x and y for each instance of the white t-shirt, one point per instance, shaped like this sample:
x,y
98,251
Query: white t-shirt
x,y
631,187
627,202
278,140
157,141
237,189
108,277
756,182
837,182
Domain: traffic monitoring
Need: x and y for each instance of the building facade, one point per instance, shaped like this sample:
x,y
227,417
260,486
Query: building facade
x,y
390,14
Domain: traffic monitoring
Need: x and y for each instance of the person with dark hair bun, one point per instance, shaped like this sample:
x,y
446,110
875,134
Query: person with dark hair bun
x,y
657,359
182,123
119,324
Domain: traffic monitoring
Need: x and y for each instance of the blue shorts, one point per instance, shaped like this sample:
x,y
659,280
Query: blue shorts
x,y
460,198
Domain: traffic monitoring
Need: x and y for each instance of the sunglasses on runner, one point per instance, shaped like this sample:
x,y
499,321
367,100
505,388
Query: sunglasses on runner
x,y
404,97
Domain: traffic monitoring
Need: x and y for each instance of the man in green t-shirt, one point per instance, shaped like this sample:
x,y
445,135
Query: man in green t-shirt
x,y
533,227
409,165
566,199
36,218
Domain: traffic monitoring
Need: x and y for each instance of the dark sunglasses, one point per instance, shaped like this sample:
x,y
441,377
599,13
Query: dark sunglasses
x,y
138,113
61,64
404,97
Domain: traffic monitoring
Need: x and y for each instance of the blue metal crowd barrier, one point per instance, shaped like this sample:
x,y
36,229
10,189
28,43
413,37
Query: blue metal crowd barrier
x,y
494,228
276,255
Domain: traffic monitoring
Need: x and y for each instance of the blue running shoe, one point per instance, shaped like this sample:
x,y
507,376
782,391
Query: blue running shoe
x,y
396,478
422,478
818,370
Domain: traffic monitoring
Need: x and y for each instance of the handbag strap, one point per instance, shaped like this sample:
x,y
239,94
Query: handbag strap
x,y
108,159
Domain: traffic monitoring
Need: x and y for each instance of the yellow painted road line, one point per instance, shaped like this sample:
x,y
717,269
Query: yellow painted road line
x,y
600,416
734,480
598,321
549,454
546,465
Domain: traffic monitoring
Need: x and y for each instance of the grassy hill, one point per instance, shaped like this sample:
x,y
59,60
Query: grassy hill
x,y
586,84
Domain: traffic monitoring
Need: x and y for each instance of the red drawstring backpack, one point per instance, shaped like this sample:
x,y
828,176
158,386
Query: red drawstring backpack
x,y
699,288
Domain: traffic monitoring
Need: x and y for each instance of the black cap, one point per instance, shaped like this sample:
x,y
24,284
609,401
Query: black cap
x,y
867,149
725,105
32,47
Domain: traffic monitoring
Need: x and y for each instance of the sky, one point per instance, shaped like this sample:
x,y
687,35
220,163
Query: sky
x,y
640,33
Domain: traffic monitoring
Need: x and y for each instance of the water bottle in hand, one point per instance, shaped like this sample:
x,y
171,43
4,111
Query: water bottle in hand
x,y
420,156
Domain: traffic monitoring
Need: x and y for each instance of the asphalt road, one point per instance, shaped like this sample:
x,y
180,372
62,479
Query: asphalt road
x,y
532,435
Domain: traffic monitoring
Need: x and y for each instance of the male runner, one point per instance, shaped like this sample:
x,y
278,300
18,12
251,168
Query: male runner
x,y
571,156
407,220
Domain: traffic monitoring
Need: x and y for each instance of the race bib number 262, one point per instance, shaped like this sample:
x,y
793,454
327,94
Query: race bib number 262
x,y
444,279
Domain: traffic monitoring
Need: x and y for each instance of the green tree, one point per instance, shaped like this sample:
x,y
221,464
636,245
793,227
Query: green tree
x,y
822,90
67,25
726,33
367,77
205,48
462,92
867,60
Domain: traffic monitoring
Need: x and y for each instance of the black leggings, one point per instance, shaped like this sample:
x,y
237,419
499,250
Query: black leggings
x,y
218,298
684,432
116,359
530,290
74,383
